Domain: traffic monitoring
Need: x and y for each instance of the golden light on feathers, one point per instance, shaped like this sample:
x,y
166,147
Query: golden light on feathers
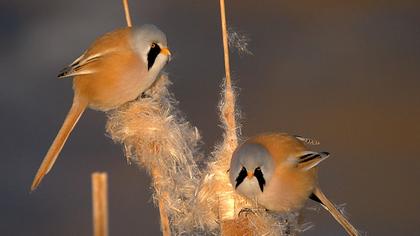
x,y
115,69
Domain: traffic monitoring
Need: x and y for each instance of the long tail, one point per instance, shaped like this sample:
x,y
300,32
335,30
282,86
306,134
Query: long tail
x,y
329,206
72,117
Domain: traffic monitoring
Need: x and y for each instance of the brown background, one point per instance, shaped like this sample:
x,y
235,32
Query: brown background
x,y
344,73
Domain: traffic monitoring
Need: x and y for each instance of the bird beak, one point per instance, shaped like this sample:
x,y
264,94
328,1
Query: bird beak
x,y
250,175
165,51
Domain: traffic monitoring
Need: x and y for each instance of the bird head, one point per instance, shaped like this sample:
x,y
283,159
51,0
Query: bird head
x,y
151,45
251,167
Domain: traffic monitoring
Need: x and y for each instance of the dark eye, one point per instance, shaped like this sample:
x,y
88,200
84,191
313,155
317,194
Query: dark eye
x,y
152,54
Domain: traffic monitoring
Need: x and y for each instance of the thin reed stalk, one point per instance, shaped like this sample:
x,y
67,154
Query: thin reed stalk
x,y
226,200
127,13
164,220
100,203
229,111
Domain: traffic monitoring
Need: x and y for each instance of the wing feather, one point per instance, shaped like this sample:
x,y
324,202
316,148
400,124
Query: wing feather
x,y
107,44
309,159
308,141
79,66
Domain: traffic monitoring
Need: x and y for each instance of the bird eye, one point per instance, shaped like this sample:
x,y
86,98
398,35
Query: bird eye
x,y
152,54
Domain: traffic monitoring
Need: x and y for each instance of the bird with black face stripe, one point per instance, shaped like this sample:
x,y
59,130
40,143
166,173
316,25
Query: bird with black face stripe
x,y
278,172
117,68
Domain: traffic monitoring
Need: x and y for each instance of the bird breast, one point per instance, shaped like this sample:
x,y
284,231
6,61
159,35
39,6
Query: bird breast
x,y
286,191
249,188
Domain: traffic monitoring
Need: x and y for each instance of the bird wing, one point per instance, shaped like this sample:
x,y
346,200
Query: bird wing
x,y
308,141
309,159
80,65
105,45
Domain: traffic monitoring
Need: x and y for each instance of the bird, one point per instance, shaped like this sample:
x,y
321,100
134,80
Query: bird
x,y
279,173
117,68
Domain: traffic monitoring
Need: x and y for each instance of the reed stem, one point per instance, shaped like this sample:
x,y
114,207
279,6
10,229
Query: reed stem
x,y
100,203
127,13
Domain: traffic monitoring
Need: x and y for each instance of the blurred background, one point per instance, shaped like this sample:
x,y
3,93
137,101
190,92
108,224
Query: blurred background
x,y
345,73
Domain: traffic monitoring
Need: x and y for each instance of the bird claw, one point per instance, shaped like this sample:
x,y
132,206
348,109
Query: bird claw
x,y
247,211
145,95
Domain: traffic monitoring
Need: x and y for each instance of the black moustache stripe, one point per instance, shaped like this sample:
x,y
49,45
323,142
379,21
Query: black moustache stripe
x,y
151,56
260,177
242,175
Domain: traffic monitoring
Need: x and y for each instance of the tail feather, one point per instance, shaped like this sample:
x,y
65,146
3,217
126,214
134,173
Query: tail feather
x,y
329,206
71,119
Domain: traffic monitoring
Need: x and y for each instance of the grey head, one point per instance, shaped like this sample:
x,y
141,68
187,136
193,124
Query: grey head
x,y
251,163
151,45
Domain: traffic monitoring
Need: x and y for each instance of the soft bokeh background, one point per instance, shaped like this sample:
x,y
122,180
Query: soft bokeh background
x,y
346,74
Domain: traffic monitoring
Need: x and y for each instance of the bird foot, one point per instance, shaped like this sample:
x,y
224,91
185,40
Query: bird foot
x,y
145,95
247,211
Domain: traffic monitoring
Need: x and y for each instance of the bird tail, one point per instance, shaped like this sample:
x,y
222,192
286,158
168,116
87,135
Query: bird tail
x,y
329,206
72,117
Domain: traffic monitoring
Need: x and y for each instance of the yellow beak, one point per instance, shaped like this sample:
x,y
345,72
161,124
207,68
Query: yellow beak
x,y
165,51
250,175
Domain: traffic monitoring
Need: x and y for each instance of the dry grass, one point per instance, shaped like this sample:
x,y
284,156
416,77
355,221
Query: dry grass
x,y
158,139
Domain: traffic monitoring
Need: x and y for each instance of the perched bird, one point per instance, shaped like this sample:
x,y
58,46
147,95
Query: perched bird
x,y
116,69
280,174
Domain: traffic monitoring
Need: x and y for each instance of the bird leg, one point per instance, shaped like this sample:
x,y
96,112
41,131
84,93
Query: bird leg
x,y
247,211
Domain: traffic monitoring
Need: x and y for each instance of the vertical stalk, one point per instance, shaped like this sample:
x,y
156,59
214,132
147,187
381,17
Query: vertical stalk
x,y
127,13
226,200
229,111
100,204
164,219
